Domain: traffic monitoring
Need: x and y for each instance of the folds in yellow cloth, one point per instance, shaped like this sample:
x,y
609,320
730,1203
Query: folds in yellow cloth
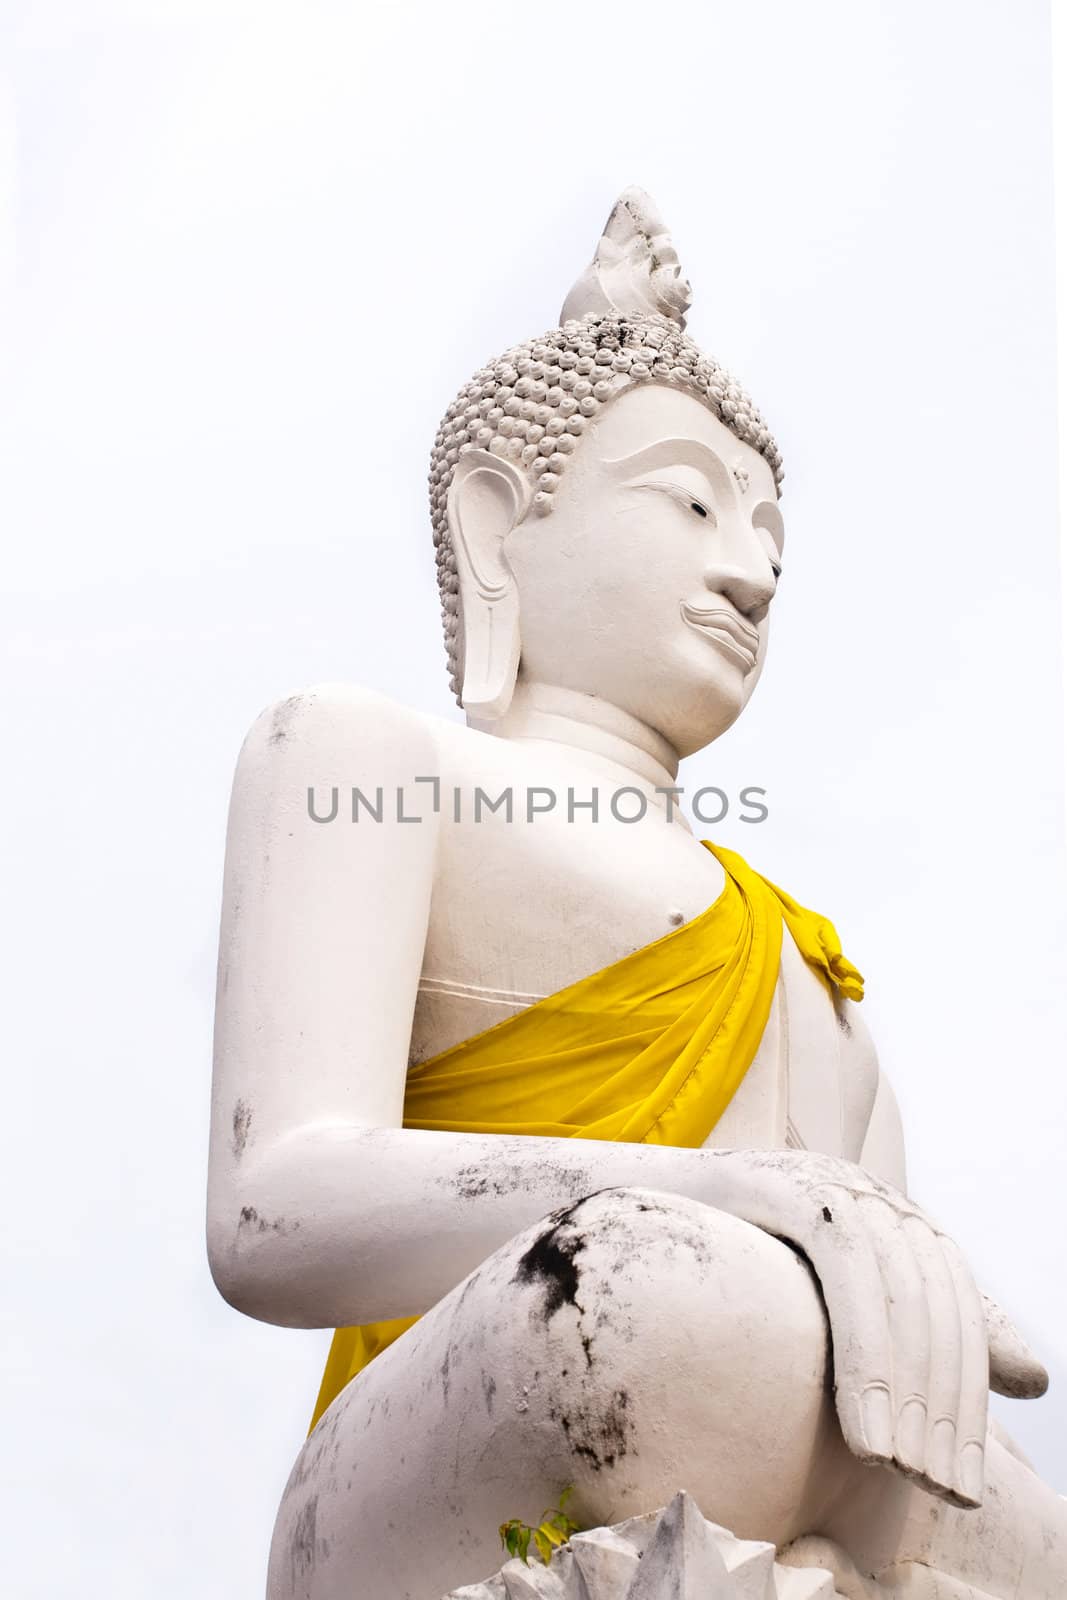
x,y
649,1050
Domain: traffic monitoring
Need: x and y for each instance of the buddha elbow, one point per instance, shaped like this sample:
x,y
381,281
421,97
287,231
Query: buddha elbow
x,y
236,1286
256,1269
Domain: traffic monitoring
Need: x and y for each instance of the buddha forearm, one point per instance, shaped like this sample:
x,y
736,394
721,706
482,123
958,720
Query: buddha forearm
x,y
335,1226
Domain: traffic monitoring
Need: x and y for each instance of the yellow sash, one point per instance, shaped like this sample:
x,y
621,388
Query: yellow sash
x,y
649,1050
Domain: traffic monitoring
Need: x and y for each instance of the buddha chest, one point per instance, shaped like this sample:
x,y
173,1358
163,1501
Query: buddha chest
x,y
522,908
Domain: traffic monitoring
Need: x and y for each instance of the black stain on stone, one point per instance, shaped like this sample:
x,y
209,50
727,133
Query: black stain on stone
x,y
474,1183
827,1214
480,1181
489,1391
302,1541
282,716
250,1218
242,1128
551,1262
601,1437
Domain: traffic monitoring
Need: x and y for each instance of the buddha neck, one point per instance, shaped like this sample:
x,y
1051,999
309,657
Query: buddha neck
x,y
543,713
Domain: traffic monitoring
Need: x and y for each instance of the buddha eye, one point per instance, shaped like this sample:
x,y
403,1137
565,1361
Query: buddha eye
x,y
680,494
776,568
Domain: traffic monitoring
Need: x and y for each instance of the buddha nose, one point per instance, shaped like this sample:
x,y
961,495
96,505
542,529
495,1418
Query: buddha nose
x,y
740,570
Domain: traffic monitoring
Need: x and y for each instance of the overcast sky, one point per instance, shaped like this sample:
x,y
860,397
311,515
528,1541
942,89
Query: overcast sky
x,y
259,247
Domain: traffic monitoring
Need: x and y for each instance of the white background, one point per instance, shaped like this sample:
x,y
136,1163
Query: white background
x,y
257,249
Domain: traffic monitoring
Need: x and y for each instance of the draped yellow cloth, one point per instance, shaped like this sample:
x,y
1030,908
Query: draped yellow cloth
x,y
649,1050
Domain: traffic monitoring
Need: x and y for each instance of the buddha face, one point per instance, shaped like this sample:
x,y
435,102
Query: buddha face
x,y
650,582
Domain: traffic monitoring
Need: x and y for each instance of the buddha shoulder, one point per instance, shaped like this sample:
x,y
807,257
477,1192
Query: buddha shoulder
x,y
339,734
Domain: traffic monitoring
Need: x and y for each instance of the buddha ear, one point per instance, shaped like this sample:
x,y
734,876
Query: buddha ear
x,y
488,496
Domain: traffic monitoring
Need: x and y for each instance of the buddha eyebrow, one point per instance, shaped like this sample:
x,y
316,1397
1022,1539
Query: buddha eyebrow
x,y
679,452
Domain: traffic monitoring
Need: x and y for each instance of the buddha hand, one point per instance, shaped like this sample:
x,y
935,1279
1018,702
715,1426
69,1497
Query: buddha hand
x,y
916,1347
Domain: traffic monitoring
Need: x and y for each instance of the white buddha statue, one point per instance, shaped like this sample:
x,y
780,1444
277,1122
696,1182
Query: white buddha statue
x,y
590,1101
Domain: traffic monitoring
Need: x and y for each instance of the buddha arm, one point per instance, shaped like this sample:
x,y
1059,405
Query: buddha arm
x,y
324,1211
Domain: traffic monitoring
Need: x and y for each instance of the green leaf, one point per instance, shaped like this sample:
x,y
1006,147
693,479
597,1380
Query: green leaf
x,y
555,1529
509,1536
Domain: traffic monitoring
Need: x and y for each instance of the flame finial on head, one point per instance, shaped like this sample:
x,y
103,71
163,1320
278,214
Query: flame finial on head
x,y
635,270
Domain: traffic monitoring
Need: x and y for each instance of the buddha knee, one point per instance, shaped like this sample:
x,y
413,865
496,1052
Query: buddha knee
x,y
629,1266
652,1331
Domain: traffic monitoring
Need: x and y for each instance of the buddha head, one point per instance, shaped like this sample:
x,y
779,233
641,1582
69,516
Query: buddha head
x,y
605,508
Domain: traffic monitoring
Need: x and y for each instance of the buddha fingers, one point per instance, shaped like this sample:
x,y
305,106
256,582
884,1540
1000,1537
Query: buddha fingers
x,y
908,1339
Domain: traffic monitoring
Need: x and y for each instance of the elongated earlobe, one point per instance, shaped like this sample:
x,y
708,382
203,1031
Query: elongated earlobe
x,y
488,496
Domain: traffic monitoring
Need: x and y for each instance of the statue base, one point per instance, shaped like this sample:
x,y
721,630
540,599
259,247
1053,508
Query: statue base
x,y
677,1553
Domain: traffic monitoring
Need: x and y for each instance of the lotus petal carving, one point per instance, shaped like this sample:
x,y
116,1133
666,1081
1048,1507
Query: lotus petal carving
x,y
673,1554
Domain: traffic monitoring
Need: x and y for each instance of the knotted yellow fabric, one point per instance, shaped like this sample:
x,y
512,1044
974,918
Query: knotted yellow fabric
x,y
649,1050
